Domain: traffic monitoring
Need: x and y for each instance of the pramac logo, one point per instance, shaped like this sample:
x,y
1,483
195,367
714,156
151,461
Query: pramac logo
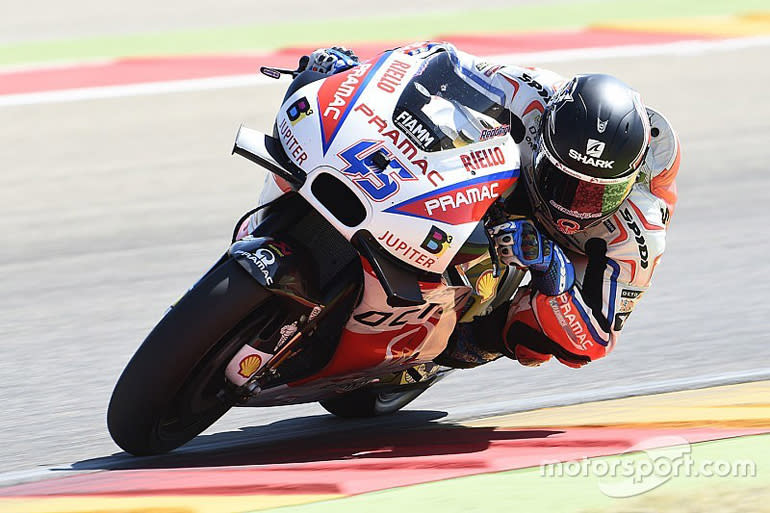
x,y
338,93
461,203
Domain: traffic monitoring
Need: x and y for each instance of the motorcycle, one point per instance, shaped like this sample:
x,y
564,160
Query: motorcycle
x,y
369,247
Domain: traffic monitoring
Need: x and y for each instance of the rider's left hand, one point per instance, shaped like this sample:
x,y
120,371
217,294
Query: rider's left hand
x,y
520,243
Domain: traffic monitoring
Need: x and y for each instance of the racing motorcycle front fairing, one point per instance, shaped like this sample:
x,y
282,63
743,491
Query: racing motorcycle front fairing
x,y
402,157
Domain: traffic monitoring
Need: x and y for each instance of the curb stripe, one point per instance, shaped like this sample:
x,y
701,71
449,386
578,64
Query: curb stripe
x,y
683,48
421,456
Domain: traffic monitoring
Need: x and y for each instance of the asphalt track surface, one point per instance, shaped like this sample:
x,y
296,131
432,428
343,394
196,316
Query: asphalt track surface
x,y
111,208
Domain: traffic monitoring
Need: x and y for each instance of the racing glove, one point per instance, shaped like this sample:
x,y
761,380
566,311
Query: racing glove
x,y
520,243
331,60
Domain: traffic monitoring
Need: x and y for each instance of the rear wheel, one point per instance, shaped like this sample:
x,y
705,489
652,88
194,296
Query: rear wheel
x,y
171,390
371,401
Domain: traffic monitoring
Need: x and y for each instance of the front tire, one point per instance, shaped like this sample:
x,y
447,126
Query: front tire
x,y
170,391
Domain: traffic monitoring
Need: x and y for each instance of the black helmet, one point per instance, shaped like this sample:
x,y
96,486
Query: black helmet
x,y
594,135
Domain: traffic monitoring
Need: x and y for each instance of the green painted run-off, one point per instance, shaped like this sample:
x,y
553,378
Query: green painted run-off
x,y
251,38
529,490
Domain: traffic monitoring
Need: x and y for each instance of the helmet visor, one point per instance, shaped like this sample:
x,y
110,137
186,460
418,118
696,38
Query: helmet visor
x,y
582,199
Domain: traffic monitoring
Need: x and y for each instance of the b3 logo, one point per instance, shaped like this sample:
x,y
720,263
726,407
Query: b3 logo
x,y
374,169
437,241
299,110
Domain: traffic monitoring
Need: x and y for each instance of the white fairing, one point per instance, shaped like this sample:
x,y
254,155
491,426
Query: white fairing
x,y
425,163
424,204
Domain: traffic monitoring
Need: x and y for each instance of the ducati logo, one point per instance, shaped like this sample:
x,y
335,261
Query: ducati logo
x,y
595,148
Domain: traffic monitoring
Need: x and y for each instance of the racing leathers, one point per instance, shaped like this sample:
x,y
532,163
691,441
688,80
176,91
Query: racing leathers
x,y
613,261
610,264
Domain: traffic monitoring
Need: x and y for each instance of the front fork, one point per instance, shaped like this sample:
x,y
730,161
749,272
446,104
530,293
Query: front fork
x,y
283,264
280,268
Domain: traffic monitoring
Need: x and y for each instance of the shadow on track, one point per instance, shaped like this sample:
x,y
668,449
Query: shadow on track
x,y
322,438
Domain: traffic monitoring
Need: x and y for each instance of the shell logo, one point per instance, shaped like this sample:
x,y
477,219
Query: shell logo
x,y
249,365
486,285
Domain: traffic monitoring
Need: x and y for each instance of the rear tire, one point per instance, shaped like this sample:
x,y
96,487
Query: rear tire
x,y
371,402
168,392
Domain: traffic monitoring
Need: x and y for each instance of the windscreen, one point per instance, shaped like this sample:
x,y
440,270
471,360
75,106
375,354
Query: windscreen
x,y
441,110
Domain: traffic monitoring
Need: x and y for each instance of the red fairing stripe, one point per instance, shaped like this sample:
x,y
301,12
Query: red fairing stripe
x,y
337,95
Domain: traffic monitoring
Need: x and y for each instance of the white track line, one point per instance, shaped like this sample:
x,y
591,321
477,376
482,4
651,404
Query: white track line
x,y
605,394
684,48
149,88
38,474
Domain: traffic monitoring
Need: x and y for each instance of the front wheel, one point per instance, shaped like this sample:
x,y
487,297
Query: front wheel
x,y
171,389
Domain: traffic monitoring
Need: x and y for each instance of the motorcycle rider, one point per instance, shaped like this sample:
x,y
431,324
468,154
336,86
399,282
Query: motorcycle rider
x,y
590,223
